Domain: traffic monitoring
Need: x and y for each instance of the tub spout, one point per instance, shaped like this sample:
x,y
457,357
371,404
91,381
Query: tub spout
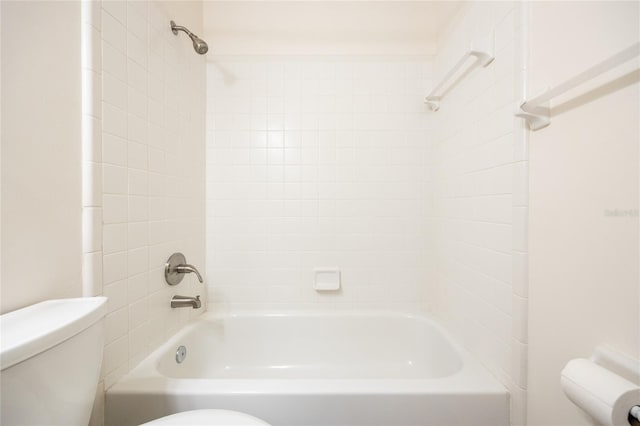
x,y
186,302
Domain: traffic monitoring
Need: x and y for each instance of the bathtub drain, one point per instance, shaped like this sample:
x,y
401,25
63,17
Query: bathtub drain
x,y
181,354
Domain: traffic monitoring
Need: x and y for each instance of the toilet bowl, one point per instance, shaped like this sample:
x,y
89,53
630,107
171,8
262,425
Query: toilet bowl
x,y
208,418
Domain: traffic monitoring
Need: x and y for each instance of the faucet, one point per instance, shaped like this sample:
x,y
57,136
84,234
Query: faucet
x,y
176,268
186,268
185,302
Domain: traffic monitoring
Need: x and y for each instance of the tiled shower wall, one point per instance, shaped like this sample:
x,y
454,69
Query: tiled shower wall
x,y
481,198
144,173
318,162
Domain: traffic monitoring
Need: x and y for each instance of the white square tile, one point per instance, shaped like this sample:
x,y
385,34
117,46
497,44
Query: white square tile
x,y
138,260
157,208
115,355
117,9
114,150
138,208
137,128
137,103
139,339
113,31
155,85
114,179
137,235
137,287
114,208
116,325
156,161
157,184
136,76
138,313
114,120
114,238
137,156
136,21
114,62
138,182
114,268
136,49
112,377
114,91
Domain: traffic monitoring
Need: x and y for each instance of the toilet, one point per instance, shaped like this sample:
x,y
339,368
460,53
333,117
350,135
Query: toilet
x,y
50,360
206,418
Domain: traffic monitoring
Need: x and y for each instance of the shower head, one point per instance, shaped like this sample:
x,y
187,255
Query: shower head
x,y
199,45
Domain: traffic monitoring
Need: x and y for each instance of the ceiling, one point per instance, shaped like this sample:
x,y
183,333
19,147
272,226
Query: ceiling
x,y
266,27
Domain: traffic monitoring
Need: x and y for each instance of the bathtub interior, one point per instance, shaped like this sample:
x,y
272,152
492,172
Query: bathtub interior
x,y
326,369
283,346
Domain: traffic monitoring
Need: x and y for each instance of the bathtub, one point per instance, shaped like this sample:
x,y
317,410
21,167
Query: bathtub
x,y
314,369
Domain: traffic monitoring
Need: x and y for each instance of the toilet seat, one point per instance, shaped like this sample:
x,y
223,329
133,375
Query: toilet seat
x,y
209,418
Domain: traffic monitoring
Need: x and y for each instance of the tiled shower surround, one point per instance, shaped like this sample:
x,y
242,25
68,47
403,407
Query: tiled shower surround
x,y
311,162
336,162
143,172
316,162
481,199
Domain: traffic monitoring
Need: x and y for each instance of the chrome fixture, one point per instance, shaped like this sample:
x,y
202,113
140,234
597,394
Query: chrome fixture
x,y
199,45
186,302
176,267
181,354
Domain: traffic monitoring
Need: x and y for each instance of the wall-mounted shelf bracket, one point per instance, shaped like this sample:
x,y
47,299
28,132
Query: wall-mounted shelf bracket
x,y
537,118
433,103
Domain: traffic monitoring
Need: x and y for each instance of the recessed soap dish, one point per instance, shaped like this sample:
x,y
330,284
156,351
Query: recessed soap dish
x,y
326,279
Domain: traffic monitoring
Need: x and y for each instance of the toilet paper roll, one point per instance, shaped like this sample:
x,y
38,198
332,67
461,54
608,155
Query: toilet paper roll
x,y
604,395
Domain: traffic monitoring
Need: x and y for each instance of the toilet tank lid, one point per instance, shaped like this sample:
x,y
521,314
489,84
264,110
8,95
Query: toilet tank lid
x,y
36,328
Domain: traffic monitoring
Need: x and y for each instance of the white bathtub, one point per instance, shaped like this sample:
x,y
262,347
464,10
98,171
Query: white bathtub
x,y
314,369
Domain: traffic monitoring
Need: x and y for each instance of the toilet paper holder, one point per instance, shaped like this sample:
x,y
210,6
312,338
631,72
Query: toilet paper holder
x,y
624,366
606,386
634,415
616,362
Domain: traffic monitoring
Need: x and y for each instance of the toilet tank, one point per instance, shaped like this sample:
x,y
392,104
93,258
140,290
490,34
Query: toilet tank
x,y
50,356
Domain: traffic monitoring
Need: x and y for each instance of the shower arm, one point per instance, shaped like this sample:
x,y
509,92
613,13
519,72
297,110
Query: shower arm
x,y
175,28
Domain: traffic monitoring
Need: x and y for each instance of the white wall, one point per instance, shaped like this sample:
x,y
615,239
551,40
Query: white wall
x,y
584,284
480,198
317,162
41,176
144,172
